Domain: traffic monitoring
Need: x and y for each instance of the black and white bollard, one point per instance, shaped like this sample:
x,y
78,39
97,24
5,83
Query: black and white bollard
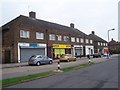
x,y
89,62
58,66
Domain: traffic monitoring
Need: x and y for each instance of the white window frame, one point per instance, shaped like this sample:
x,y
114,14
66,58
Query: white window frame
x,y
91,41
87,40
106,44
98,43
51,36
82,40
59,37
77,40
72,39
39,35
24,34
65,38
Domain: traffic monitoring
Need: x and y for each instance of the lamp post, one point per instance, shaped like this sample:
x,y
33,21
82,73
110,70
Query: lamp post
x,y
108,33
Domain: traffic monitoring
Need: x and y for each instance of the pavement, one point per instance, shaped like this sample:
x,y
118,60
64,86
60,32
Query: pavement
x,y
12,65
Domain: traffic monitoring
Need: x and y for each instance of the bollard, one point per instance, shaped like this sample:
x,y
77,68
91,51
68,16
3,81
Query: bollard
x,y
58,65
89,62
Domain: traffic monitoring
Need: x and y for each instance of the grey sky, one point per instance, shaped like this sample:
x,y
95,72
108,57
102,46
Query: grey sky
x,y
87,15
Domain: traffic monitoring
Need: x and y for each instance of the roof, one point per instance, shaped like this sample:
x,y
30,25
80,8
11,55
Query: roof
x,y
113,42
48,25
97,38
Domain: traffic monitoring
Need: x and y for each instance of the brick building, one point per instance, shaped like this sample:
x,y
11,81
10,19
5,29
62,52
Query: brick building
x,y
100,45
114,47
25,36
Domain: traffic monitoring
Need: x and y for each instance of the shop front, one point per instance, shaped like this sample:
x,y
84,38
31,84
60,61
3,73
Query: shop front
x,y
89,50
60,49
78,50
26,50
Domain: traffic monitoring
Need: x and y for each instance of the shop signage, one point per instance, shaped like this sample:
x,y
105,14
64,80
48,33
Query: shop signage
x,y
31,45
61,46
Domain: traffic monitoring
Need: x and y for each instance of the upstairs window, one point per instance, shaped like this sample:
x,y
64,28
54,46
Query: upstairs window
x,y
59,37
77,39
39,35
24,34
66,38
82,41
51,36
72,39
91,41
98,43
87,41
106,44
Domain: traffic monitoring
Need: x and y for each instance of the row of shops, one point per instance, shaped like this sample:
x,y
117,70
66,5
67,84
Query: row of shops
x,y
25,50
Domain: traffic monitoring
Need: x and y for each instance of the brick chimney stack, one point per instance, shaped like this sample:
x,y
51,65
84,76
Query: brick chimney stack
x,y
72,25
93,32
32,14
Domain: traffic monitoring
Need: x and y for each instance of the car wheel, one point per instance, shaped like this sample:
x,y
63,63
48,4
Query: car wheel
x,y
50,62
38,63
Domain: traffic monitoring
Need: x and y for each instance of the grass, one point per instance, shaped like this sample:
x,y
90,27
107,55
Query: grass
x,y
76,67
16,80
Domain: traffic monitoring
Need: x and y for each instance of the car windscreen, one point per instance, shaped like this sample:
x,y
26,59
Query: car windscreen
x,y
34,56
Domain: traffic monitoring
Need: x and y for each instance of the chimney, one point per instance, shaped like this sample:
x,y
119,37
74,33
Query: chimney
x,y
72,25
32,14
93,32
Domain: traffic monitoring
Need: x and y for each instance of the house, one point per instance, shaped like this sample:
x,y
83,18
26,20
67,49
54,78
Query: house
x,y
114,47
100,45
25,36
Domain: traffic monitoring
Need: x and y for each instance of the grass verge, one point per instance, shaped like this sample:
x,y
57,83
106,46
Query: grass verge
x,y
17,80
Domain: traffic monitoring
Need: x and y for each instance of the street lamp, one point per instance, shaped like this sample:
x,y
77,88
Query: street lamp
x,y
108,33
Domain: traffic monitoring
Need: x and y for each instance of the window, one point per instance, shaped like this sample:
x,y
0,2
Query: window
x,y
87,41
106,44
91,41
51,37
101,44
98,43
77,39
39,35
66,38
24,34
59,37
81,40
72,39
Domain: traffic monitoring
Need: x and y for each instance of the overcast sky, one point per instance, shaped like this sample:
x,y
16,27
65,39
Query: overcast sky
x,y
87,15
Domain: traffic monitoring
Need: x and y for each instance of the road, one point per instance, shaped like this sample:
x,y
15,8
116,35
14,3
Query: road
x,y
27,70
101,75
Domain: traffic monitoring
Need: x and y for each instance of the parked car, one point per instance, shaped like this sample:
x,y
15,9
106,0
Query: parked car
x,y
96,55
67,57
39,59
106,54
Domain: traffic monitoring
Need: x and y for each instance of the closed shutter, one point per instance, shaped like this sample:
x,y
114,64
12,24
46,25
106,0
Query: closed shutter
x,y
26,53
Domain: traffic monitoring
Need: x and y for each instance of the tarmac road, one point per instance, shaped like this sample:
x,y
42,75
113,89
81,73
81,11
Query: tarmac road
x,y
101,75
27,70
